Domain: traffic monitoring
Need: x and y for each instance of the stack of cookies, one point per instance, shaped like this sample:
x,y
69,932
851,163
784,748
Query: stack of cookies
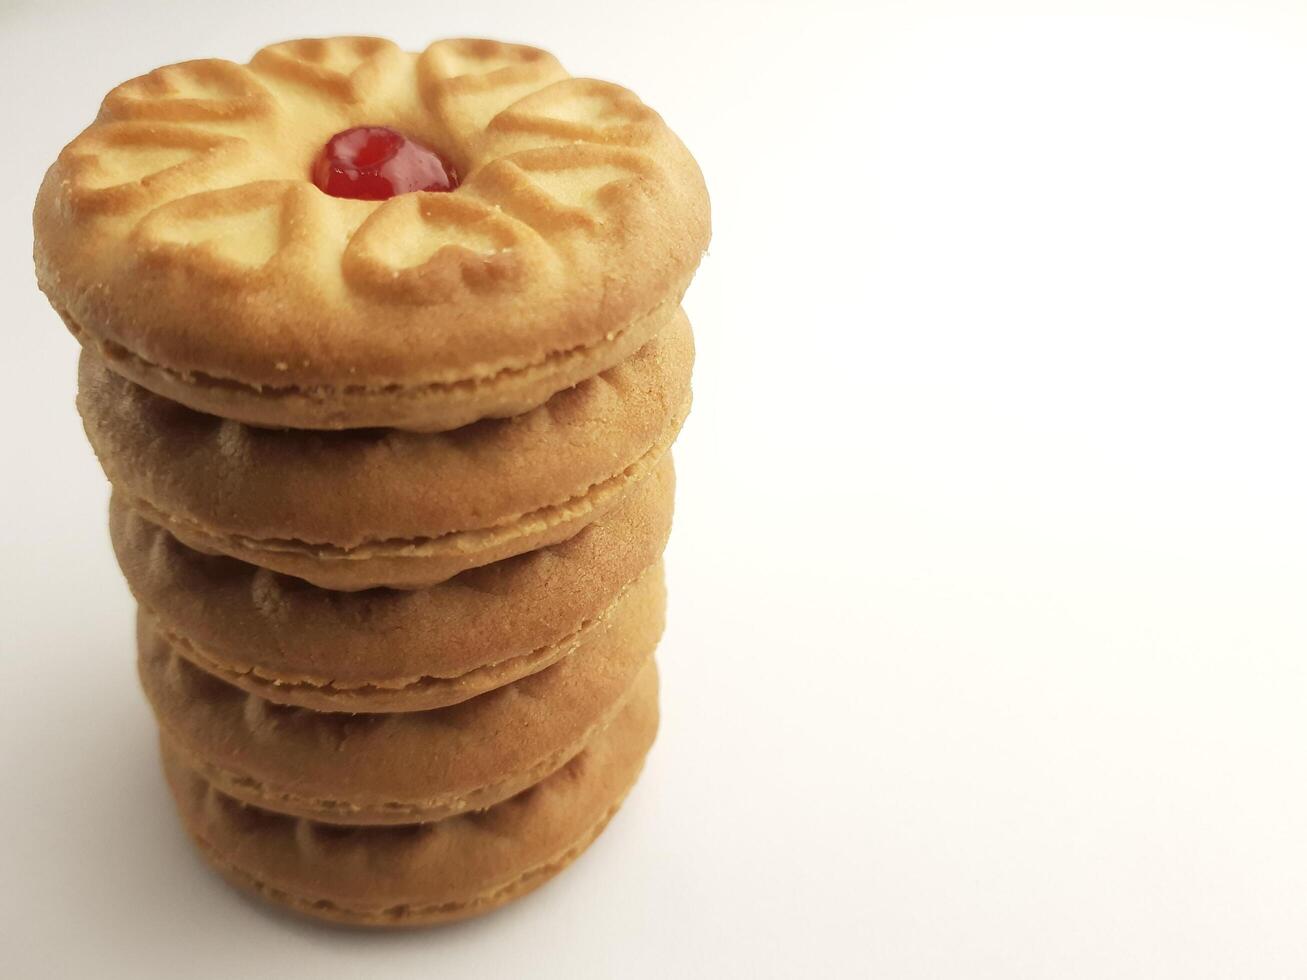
x,y
389,453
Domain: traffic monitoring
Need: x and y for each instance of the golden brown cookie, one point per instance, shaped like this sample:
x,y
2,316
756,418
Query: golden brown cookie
x,y
358,509
384,650
181,237
422,873
401,768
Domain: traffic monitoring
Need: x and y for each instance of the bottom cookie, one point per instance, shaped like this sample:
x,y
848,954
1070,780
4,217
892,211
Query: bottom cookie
x,y
421,874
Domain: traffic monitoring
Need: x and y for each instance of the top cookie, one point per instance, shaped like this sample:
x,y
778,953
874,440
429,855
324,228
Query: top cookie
x,y
181,236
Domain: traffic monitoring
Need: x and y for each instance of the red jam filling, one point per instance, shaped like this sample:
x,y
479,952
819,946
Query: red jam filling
x,y
372,163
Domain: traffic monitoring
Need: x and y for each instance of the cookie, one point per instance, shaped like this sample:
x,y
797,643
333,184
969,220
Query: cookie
x,y
401,768
364,508
182,238
382,650
422,873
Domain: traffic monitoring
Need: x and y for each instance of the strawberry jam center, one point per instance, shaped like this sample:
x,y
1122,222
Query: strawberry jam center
x,y
372,163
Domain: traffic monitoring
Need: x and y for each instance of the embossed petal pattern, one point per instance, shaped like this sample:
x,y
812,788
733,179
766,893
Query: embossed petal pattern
x,y
181,230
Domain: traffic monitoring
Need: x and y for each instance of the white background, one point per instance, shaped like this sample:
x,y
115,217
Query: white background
x,y
988,645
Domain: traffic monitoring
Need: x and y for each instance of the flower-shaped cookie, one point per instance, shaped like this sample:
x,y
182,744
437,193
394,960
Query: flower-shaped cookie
x,y
181,238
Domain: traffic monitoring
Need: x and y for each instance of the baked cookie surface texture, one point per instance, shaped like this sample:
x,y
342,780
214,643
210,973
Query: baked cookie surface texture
x,y
383,355
181,238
